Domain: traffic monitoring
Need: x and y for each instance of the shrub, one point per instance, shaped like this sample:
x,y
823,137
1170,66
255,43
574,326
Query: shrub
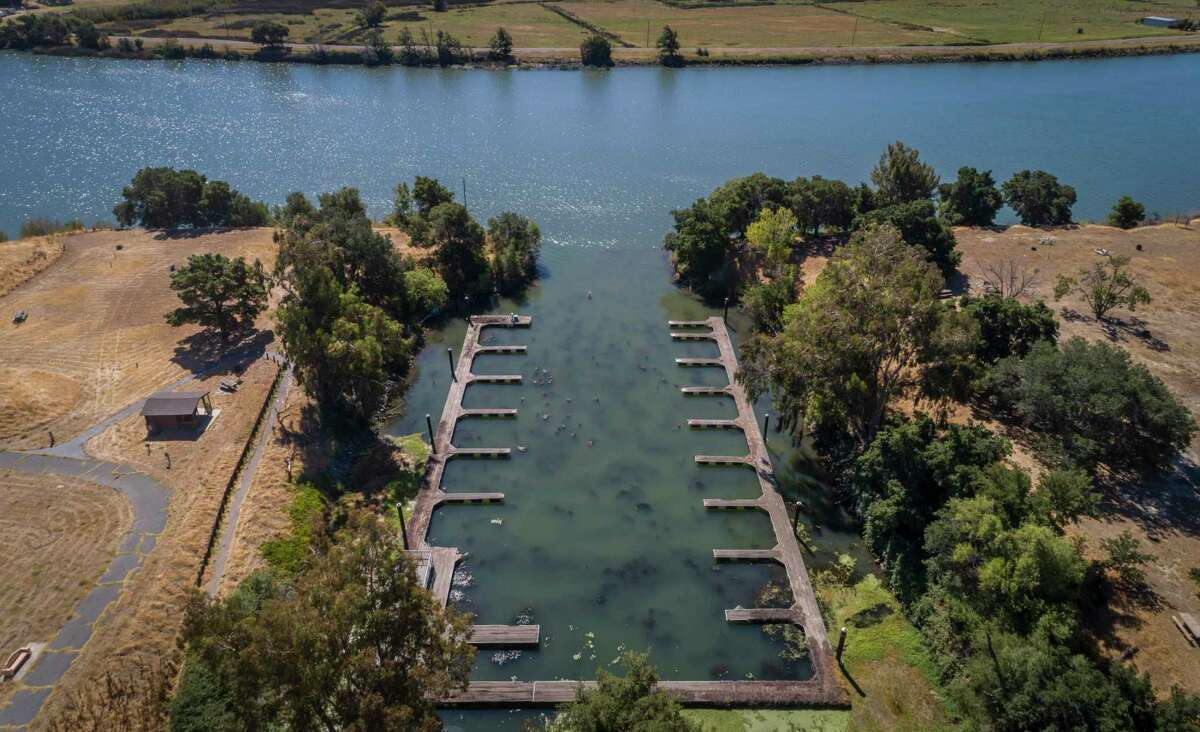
x,y
269,33
919,226
1008,328
596,51
764,302
44,227
515,243
1092,404
501,46
1127,213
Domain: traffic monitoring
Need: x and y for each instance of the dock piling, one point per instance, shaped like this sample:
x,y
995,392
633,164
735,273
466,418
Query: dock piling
x,y
403,527
841,642
450,357
796,518
432,440
726,316
766,423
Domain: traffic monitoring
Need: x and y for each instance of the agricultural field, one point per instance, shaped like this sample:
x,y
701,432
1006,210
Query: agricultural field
x,y
638,22
1026,21
742,26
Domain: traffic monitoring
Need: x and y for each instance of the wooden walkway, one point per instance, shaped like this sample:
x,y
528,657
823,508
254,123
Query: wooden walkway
x,y
822,689
443,559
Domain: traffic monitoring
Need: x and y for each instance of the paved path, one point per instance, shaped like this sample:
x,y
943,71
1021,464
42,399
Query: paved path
x,y
148,499
229,529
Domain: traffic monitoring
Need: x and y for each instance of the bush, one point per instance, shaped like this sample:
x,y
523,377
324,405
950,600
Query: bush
x,y
269,33
1008,328
201,703
500,46
1039,199
515,243
287,554
44,227
165,198
1092,404
596,51
1127,213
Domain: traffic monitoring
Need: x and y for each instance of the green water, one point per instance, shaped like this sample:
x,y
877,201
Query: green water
x,y
602,538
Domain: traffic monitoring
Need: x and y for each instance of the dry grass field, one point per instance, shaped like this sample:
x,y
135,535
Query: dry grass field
x,y
95,339
23,258
57,536
1165,336
141,629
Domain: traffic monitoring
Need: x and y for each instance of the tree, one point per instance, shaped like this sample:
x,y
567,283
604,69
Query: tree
x,y
919,225
596,51
515,243
1008,328
428,193
618,704
501,45
165,198
427,291
1007,278
459,249
439,6
900,176
377,51
972,200
269,33
88,36
700,247
1127,213
668,48
907,473
765,302
773,233
863,336
821,203
1091,404
1125,559
1039,199
218,292
739,200
1106,286
371,15
449,49
355,642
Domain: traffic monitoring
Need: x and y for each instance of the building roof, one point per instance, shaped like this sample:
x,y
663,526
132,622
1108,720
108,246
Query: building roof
x,y
172,403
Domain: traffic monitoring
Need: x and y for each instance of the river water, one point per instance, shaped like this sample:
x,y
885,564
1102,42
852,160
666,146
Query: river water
x,y
602,539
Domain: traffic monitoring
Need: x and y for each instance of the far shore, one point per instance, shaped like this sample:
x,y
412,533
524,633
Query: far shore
x,y
569,57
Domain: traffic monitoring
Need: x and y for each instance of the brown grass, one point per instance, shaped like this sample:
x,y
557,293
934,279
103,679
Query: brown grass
x,y
264,514
23,258
96,321
57,536
1166,338
142,628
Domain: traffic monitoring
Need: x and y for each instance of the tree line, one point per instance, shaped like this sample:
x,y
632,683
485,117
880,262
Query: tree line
x,y
870,359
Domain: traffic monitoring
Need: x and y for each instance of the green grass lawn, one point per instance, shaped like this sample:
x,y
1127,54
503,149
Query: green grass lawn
x,y
1015,21
770,720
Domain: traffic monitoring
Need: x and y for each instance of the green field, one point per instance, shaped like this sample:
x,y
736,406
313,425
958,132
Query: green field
x,y
1022,21
786,24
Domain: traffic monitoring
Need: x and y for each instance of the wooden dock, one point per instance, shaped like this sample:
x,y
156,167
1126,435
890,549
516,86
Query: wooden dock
x,y
693,336
505,636
439,566
715,424
822,689
689,693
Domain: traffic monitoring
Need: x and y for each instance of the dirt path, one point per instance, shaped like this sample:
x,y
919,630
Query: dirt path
x,y
148,500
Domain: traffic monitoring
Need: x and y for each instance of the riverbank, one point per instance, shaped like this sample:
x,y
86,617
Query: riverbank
x,y
568,58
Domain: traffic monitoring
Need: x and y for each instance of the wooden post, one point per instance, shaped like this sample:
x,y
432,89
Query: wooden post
x,y
796,517
726,316
450,357
168,456
429,425
403,528
766,424
841,642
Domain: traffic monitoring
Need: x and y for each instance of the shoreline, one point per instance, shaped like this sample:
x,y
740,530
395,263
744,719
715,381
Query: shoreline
x,y
157,48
